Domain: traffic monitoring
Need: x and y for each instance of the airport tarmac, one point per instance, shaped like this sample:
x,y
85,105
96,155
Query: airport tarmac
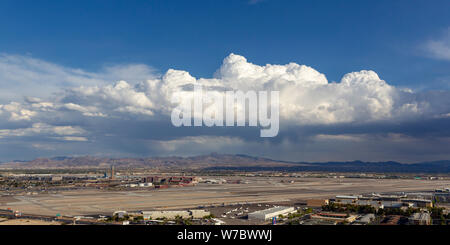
x,y
258,190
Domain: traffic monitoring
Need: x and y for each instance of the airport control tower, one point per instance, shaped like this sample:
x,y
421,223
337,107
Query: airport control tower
x,y
112,172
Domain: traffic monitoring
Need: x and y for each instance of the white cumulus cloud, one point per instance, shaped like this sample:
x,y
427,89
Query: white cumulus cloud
x,y
306,96
49,101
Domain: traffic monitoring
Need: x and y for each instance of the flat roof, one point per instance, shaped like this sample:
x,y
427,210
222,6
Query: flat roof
x,y
271,210
332,214
347,197
416,200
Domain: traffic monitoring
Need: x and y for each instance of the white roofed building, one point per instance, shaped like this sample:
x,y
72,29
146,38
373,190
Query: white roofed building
x,y
267,214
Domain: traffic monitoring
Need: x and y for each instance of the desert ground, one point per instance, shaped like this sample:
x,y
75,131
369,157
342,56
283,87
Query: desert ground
x,y
258,190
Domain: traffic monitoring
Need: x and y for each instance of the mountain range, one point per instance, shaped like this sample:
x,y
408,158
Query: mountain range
x,y
237,162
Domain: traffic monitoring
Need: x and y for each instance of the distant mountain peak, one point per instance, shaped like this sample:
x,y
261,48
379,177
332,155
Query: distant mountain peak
x,y
217,161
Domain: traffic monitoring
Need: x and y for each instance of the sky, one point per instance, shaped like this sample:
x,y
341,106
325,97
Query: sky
x,y
358,80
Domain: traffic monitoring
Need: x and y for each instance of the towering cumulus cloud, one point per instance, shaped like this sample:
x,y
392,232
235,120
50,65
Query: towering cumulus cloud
x,y
88,101
306,96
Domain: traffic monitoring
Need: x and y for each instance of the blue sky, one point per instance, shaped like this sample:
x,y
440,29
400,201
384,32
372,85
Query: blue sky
x,y
331,36
61,63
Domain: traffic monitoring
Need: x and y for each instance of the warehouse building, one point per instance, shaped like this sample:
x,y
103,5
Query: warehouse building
x,y
334,217
165,214
316,202
346,199
185,214
392,204
267,214
420,202
199,213
375,204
